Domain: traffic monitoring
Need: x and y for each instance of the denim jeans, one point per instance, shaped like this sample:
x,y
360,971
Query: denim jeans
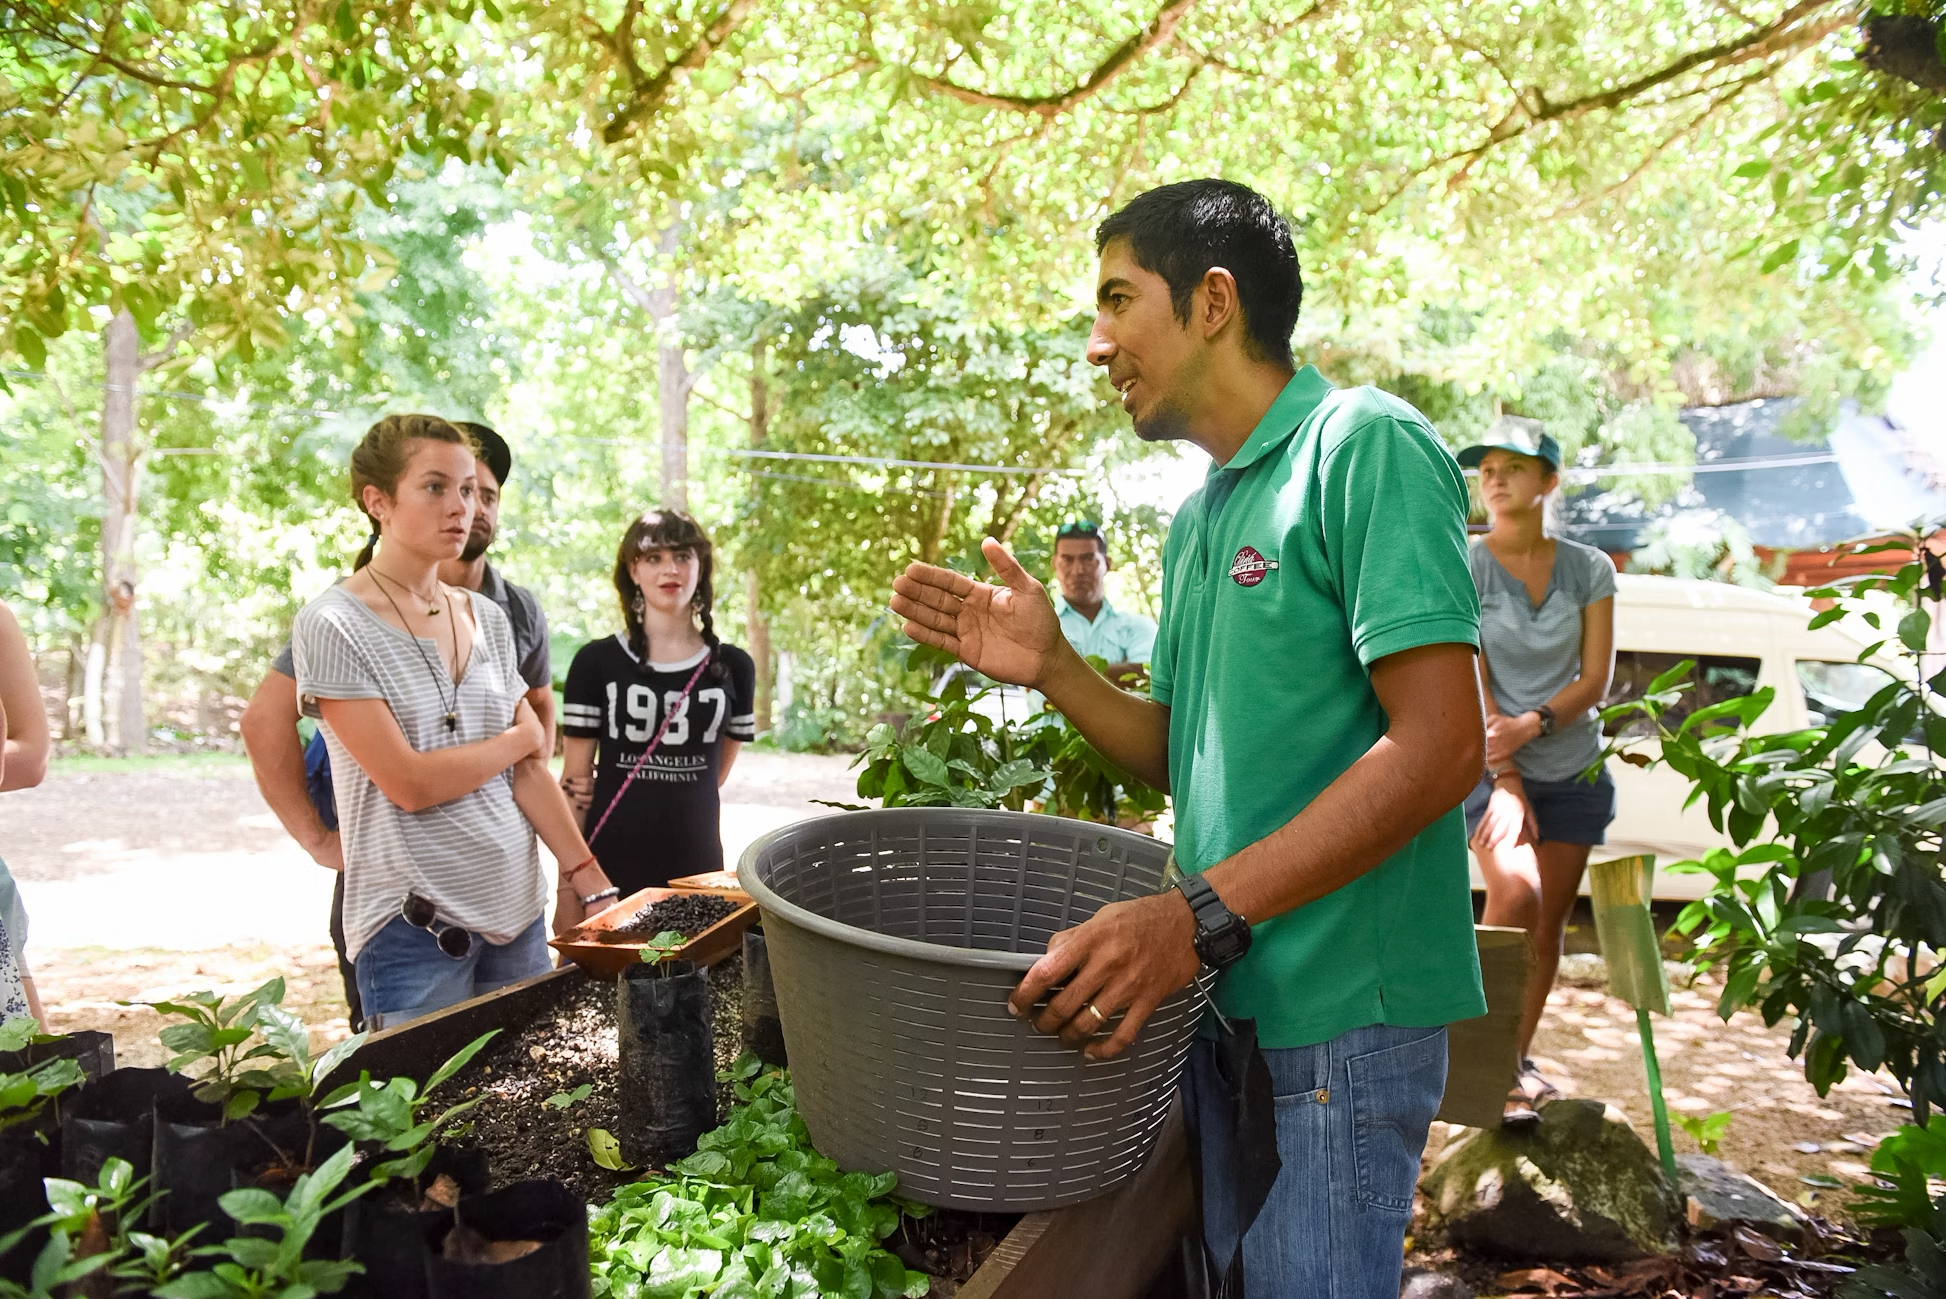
x,y
1352,1116
402,974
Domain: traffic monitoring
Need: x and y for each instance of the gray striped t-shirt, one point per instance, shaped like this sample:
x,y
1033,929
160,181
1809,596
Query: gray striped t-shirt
x,y
1533,651
473,856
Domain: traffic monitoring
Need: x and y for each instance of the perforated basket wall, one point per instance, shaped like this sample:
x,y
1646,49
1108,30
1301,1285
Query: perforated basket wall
x,y
895,937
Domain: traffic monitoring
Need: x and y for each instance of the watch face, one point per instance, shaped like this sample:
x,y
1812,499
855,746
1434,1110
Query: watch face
x,y
1225,945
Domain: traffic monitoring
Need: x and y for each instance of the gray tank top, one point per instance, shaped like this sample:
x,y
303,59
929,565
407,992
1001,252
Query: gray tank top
x,y
1533,651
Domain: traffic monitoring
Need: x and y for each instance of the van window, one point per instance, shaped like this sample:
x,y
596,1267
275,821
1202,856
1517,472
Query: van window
x,y
1717,677
1834,688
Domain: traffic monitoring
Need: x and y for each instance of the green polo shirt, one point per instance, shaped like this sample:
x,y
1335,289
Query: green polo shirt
x,y
1335,537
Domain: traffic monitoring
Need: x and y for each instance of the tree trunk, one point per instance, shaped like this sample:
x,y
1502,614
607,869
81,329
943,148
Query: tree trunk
x,y
933,539
74,684
759,629
92,676
121,632
672,377
672,389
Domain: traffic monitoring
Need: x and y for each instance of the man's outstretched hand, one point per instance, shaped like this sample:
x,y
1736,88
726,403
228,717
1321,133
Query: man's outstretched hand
x,y
1009,632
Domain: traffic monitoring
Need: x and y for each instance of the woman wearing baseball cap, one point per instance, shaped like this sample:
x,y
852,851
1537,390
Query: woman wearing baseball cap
x,y
1547,651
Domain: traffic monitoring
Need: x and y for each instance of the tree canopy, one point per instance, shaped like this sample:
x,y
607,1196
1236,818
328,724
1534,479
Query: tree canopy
x,y
599,220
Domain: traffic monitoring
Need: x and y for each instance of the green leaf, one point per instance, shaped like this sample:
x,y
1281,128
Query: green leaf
x,y
459,1060
16,1033
1778,256
328,1063
1913,628
251,1204
32,350
1012,775
606,1150
924,764
561,1100
1669,679
285,1033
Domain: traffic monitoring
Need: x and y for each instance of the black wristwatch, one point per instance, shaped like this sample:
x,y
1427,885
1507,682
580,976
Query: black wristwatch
x,y
1222,936
1546,714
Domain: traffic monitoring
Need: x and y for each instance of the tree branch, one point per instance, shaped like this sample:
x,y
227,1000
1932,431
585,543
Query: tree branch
x,y
1156,34
708,400
646,93
1655,154
150,360
631,288
1789,35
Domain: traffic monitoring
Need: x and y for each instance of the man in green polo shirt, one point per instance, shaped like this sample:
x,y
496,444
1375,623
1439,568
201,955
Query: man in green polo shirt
x,y
1317,718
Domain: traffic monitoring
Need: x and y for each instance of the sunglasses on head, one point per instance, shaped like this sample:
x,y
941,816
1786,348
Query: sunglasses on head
x,y
420,914
1079,528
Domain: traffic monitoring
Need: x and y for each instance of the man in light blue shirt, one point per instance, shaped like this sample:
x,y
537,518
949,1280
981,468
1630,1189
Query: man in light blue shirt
x,y
1092,625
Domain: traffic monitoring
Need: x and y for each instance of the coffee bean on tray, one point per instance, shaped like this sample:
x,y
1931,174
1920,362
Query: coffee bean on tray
x,y
688,914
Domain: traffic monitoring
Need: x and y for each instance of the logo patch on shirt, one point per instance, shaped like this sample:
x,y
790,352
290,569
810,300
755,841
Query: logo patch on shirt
x,y
1250,567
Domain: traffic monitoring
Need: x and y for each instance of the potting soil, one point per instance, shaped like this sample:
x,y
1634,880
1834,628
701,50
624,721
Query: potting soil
x,y
689,914
574,1045
556,1054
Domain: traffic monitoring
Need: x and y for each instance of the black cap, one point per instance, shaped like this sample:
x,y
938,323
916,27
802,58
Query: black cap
x,y
493,449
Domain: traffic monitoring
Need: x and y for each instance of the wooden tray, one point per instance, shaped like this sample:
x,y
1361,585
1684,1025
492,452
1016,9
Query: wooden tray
x,y
724,882
594,947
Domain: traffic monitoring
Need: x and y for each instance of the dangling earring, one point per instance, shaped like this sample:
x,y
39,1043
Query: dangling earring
x,y
635,603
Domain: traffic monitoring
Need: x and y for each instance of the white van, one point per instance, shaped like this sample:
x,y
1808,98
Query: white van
x,y
1742,640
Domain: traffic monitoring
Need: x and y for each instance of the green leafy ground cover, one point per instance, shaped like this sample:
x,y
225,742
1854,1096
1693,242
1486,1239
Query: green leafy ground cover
x,y
755,1213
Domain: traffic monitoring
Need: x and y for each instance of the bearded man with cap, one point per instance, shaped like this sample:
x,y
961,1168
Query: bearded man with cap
x,y
296,781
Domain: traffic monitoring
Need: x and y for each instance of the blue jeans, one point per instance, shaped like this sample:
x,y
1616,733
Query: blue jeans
x,y
402,974
1352,1116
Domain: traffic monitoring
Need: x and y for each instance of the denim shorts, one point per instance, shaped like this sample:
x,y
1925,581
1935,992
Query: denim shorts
x,y
402,974
1565,811
1352,1118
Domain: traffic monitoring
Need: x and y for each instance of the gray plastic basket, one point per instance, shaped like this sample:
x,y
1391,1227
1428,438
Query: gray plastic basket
x,y
895,937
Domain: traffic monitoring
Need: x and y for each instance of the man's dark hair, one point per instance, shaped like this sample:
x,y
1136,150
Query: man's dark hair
x,y
1081,530
1180,231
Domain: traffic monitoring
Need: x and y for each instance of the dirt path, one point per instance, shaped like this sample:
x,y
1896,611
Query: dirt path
x,y
155,882
1782,1132
170,878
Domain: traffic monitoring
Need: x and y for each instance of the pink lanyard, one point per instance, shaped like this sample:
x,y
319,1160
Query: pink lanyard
x,y
668,717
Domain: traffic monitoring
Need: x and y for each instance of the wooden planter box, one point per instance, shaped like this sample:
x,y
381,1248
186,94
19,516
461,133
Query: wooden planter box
x,y
724,882
1109,1248
593,946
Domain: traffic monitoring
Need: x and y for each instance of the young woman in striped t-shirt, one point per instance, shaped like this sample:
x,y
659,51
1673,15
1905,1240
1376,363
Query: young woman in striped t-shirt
x,y
438,761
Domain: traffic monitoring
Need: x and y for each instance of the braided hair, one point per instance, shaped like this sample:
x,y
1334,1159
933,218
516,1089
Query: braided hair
x,y
380,458
667,529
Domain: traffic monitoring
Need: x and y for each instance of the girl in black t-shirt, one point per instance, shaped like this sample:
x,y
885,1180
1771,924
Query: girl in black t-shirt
x,y
666,674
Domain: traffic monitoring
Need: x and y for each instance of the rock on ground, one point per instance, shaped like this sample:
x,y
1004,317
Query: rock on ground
x,y
1716,1195
1578,1187
1423,1283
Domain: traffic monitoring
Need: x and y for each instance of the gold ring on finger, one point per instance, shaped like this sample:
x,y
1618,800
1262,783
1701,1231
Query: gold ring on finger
x,y
1095,1010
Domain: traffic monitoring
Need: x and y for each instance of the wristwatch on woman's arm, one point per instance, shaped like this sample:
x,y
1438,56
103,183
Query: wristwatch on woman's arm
x,y
1546,714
